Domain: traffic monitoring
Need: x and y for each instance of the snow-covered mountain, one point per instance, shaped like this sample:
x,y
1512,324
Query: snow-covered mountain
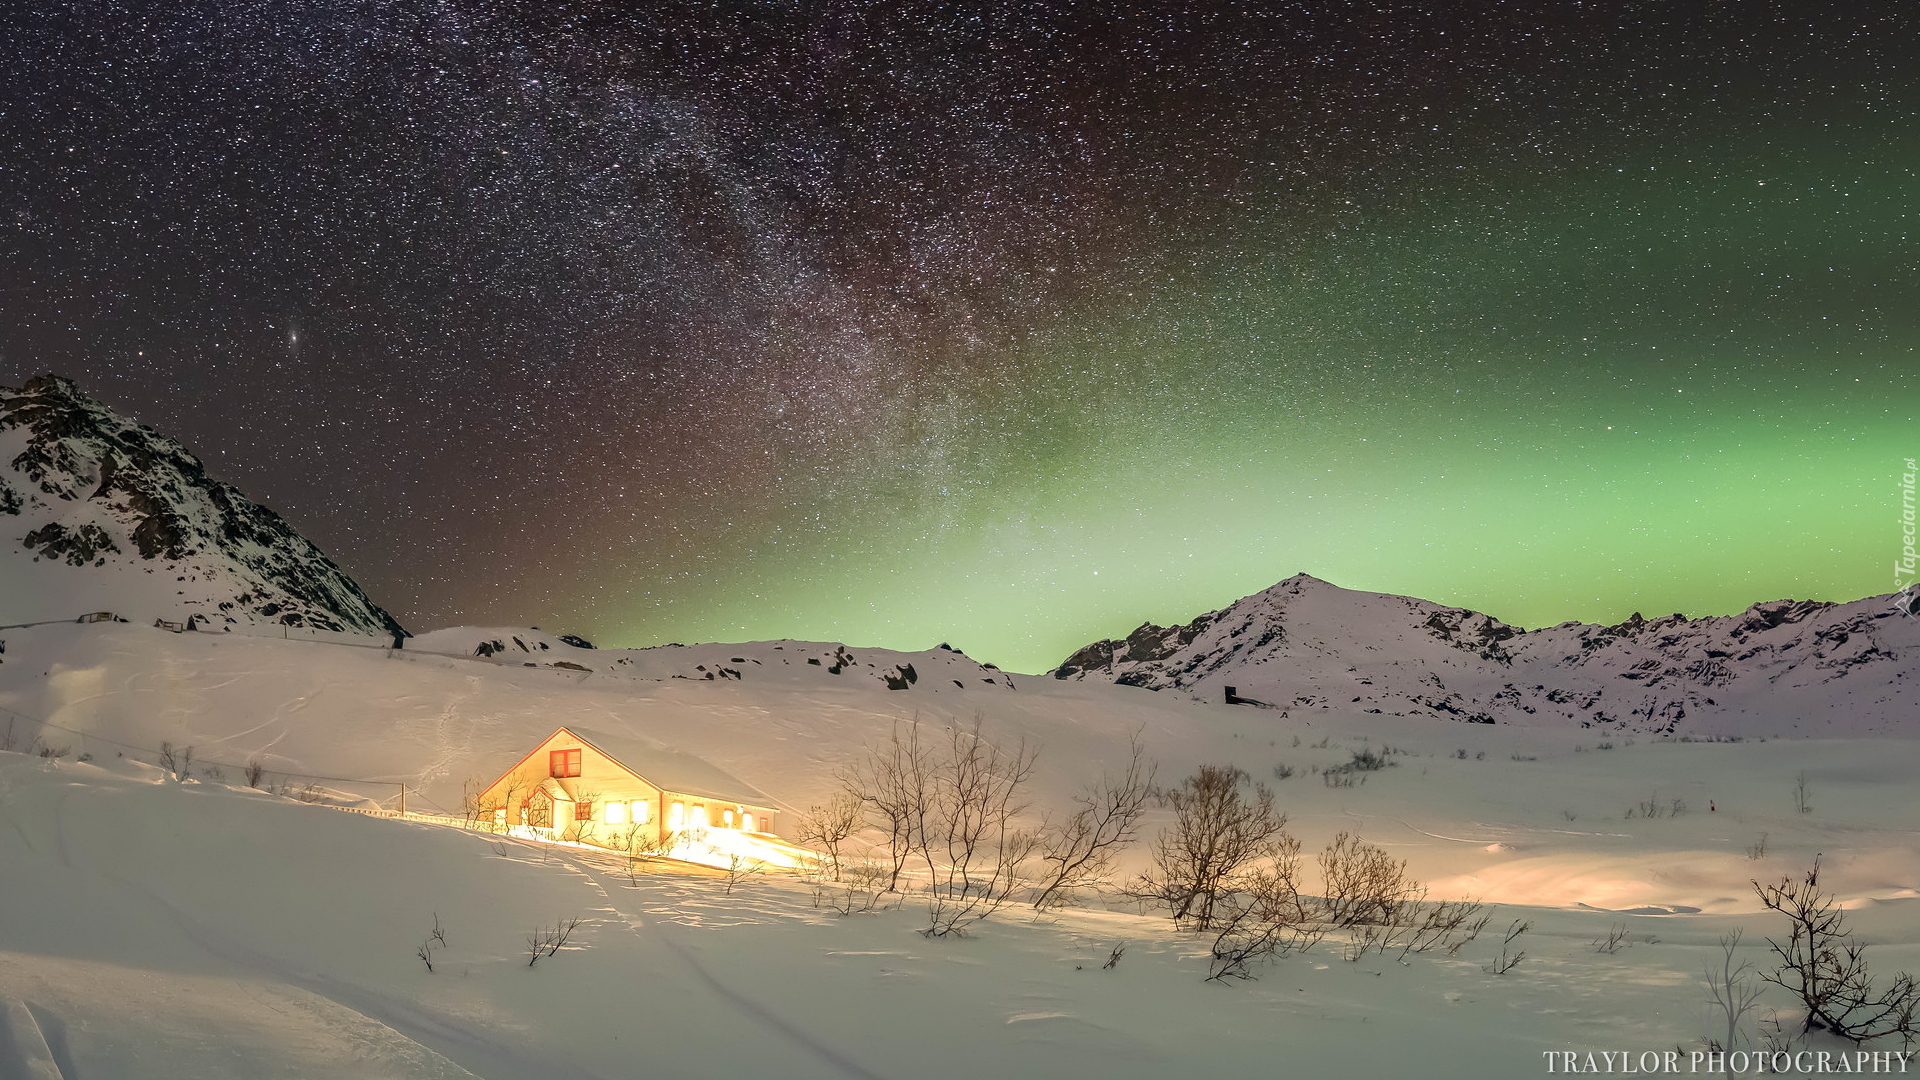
x,y
1306,645
100,514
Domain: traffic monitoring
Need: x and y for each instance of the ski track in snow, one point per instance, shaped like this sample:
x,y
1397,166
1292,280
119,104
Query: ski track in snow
x,y
25,1053
441,1034
748,1007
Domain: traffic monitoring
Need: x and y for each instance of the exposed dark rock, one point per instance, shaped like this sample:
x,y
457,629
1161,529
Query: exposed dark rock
x,y
138,494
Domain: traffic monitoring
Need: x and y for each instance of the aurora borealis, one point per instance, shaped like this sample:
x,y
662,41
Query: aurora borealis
x,y
1011,326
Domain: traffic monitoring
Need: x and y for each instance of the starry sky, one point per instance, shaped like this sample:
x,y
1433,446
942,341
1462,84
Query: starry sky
x,y
1006,325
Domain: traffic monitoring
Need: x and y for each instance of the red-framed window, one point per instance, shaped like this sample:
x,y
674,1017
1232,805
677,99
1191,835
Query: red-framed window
x,y
540,811
582,810
563,763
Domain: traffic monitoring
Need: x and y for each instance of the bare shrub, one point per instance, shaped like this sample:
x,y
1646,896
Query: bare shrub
x,y
52,753
1113,958
1264,913
740,868
862,887
1260,912
175,761
544,942
970,843
1363,884
1216,834
1509,957
1733,991
1367,759
829,826
895,785
1823,967
1800,802
255,773
1614,940
1078,852
1758,849
436,940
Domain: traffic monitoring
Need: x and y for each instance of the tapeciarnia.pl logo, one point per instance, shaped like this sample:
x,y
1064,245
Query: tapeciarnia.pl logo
x,y
1907,592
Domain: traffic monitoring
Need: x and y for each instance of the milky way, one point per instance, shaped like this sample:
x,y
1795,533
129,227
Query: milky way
x,y
1010,326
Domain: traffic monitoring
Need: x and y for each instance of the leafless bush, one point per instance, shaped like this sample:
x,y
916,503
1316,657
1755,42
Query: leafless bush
x,y
312,793
1733,992
953,812
470,809
1369,898
829,826
545,942
1758,850
895,785
1078,852
1614,940
1509,957
1259,912
1823,967
1113,958
1367,759
1421,926
584,828
971,843
1800,802
1283,771
52,753
1363,884
179,762
8,739
740,868
1217,834
213,774
255,772
862,887
436,940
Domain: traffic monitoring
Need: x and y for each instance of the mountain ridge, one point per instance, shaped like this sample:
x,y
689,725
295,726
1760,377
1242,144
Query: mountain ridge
x,y
1305,644
122,518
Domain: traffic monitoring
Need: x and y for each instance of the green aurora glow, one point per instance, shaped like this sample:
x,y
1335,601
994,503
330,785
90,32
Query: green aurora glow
x,y
1681,382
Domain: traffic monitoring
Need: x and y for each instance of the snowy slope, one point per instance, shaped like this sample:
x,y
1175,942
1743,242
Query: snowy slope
x,y
100,514
167,930
1779,667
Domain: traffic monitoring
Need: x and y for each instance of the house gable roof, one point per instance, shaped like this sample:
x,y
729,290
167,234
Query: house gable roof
x,y
670,770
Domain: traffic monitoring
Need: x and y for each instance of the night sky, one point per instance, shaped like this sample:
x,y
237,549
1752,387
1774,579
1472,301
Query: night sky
x,y
1008,326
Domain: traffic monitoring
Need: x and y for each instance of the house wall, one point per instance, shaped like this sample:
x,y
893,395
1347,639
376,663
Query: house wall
x,y
603,780
765,819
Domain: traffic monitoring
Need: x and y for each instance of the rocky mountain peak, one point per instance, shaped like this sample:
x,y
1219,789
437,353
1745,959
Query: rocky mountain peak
x,y
98,512
1304,644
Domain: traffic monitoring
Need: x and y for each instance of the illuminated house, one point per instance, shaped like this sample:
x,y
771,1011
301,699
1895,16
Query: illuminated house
x,y
619,793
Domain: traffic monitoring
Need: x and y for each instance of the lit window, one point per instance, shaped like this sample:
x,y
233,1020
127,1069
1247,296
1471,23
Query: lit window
x,y
746,820
677,816
583,811
726,819
563,763
698,819
499,815
616,813
642,813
